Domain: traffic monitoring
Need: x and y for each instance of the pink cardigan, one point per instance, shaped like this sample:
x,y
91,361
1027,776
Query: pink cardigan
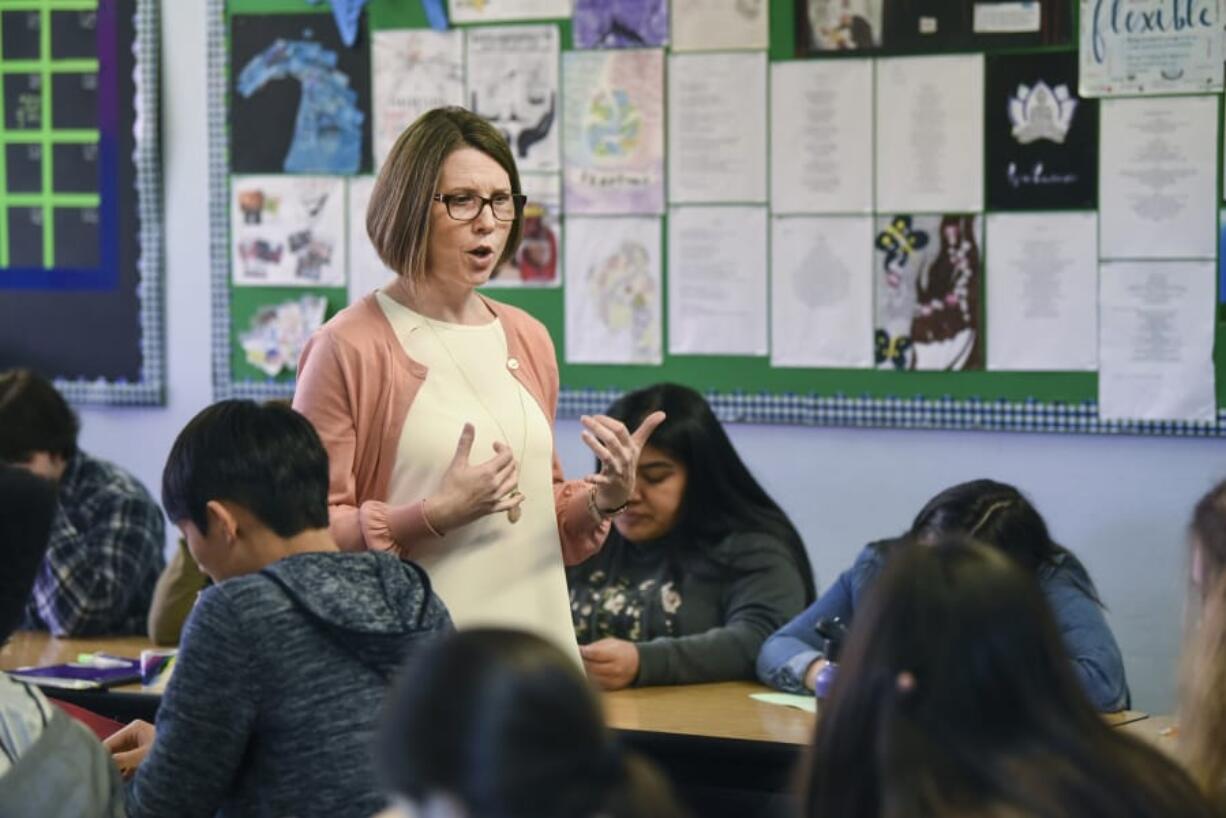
x,y
356,384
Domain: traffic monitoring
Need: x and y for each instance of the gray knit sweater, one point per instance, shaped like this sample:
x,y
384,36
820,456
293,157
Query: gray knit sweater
x,y
280,677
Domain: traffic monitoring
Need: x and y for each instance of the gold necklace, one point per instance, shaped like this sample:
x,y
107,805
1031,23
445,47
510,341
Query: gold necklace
x,y
513,514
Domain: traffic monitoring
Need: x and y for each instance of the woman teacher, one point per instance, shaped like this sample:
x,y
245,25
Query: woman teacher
x,y
436,404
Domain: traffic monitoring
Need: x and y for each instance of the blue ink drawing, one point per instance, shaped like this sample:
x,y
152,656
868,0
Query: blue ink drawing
x,y
347,14
328,127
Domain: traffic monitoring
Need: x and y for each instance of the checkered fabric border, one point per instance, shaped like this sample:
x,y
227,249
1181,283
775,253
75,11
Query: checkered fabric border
x,y
224,386
909,413
150,390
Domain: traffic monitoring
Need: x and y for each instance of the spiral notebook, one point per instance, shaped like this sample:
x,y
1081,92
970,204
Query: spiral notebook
x,y
97,673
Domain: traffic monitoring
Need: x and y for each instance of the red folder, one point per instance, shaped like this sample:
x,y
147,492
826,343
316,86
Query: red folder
x,y
100,725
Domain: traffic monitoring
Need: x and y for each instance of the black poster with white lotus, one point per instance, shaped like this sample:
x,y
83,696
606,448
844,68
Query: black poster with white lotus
x,y
1042,138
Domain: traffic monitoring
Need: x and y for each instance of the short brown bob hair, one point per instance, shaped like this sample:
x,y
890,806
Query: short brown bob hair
x,y
398,216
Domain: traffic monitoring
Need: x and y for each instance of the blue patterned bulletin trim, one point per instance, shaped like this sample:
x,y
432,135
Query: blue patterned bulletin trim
x,y
909,413
148,160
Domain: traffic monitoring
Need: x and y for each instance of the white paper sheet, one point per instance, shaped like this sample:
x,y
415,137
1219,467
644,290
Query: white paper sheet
x,y
717,281
613,290
717,128
486,11
930,134
822,291
413,71
512,76
613,129
288,231
366,271
707,25
537,262
1156,341
1150,47
1158,188
822,136
1043,298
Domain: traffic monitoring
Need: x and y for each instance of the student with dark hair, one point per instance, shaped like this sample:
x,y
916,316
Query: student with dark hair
x,y
493,723
48,761
955,699
104,552
284,661
1202,706
995,514
700,567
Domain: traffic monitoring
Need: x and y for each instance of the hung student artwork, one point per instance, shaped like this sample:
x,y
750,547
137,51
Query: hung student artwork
x,y
928,291
487,11
415,70
513,82
620,23
1150,47
366,271
1041,147
613,290
613,121
320,122
536,263
288,231
838,25
274,340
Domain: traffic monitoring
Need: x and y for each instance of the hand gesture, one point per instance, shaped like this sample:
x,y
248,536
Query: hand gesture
x,y
611,663
469,492
618,451
129,746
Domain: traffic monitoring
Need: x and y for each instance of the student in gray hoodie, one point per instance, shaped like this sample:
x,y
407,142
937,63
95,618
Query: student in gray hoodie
x,y
284,662
50,765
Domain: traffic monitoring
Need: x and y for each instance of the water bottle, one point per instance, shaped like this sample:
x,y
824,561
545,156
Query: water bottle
x,y
831,633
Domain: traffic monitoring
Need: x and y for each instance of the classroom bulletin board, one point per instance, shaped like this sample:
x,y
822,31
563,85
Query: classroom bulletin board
x,y
80,197
825,272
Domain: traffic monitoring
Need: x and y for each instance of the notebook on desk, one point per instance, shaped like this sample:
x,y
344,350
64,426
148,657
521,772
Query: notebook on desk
x,y
97,673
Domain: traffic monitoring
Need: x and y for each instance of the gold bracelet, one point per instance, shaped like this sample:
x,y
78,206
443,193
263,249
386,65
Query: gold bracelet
x,y
426,520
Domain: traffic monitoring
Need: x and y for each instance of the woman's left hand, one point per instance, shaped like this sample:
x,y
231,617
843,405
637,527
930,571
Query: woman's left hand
x,y
611,663
618,450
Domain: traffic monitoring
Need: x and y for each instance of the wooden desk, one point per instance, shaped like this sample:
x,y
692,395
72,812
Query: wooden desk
x,y
123,703
729,754
720,711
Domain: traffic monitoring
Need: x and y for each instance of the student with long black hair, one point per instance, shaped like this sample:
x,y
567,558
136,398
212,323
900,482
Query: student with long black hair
x,y
700,567
995,514
955,698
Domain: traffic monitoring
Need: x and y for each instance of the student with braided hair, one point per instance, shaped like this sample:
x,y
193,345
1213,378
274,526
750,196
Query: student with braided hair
x,y
994,514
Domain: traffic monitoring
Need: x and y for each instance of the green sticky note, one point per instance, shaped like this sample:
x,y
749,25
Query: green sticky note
x,y
806,703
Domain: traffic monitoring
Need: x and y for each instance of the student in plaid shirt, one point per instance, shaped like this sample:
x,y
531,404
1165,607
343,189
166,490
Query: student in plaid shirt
x,y
105,550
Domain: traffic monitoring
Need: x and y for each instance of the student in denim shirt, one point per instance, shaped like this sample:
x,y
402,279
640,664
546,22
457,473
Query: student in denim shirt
x,y
994,514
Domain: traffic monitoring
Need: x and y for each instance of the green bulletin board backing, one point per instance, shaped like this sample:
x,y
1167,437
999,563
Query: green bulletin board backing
x,y
741,388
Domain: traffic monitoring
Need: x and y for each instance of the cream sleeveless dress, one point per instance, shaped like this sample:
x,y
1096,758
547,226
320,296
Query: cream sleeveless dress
x,y
490,572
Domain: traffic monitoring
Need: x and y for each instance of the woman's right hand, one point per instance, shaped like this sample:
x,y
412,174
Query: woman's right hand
x,y
471,491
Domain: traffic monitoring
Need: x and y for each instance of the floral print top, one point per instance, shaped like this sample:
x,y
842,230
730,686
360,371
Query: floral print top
x,y
697,612
603,607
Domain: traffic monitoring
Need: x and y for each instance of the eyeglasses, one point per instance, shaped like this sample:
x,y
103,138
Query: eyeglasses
x,y
465,207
